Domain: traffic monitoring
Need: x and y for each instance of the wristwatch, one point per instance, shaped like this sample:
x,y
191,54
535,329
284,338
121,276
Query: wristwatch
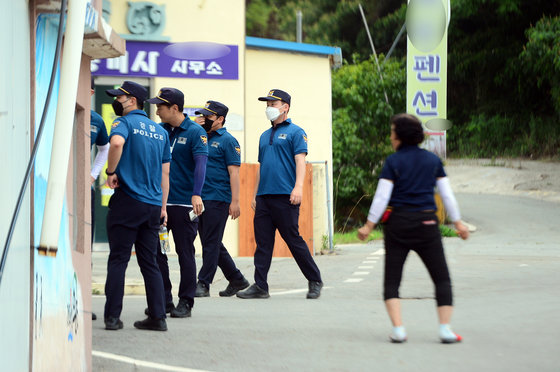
x,y
109,173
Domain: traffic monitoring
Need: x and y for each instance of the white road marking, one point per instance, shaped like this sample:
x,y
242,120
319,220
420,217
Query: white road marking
x,y
143,363
292,291
368,262
379,252
353,280
361,273
365,267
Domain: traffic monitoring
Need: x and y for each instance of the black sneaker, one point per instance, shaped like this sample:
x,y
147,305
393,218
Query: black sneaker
x,y
253,291
202,290
113,324
168,308
234,286
183,310
151,324
93,316
314,290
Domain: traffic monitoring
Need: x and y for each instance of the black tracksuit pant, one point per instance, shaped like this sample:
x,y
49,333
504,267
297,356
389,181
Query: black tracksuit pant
x,y
418,231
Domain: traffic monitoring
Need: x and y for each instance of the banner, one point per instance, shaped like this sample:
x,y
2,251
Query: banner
x,y
426,82
149,59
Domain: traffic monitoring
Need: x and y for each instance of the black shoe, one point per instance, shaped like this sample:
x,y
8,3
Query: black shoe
x,y
168,308
151,324
234,286
93,316
113,324
314,290
183,310
202,290
253,291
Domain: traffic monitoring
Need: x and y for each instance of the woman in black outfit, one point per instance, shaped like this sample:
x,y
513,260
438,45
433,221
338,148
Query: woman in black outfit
x,y
406,185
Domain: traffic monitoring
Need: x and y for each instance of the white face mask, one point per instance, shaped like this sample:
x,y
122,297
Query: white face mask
x,y
272,113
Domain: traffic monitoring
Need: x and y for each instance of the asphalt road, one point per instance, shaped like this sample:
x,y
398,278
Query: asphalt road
x,y
506,285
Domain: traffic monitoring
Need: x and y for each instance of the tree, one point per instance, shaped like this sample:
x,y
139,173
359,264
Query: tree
x,y
361,131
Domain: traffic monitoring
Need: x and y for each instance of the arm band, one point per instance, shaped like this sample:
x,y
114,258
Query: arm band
x,y
380,200
448,199
100,159
199,173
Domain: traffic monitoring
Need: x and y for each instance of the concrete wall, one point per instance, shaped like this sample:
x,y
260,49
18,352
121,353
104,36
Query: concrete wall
x,y
15,121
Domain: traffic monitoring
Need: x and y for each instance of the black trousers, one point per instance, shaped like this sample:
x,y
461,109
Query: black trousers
x,y
211,226
418,231
276,212
129,222
184,233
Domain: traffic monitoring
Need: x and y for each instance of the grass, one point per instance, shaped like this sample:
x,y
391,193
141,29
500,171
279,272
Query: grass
x,y
351,237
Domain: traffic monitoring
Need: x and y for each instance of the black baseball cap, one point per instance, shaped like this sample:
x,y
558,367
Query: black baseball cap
x,y
276,95
129,88
170,96
213,107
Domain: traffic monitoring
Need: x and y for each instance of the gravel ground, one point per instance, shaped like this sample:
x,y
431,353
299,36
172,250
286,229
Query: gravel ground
x,y
528,178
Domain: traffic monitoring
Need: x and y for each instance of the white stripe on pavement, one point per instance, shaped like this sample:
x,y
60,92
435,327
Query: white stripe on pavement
x,y
360,273
379,252
365,267
353,280
143,363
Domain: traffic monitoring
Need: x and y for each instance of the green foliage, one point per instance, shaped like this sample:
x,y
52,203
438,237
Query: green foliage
x,y
361,131
540,58
351,237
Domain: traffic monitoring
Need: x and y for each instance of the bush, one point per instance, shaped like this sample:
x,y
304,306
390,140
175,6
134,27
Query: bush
x,y
361,131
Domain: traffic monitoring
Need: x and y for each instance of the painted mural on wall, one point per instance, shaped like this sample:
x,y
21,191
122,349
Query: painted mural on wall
x,y
58,327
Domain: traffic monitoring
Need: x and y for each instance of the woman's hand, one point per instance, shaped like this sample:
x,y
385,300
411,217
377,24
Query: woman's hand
x,y
462,230
364,231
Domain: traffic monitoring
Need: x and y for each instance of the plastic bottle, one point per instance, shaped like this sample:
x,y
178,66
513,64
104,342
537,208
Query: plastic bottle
x,y
164,239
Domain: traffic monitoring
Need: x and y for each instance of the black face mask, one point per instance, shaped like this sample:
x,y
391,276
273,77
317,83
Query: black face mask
x,y
208,125
117,107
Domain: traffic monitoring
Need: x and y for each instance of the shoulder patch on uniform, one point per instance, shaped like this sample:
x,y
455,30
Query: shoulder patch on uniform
x,y
238,150
304,137
115,124
204,140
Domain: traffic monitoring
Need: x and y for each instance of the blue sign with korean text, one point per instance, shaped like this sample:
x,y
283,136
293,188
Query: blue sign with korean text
x,y
151,59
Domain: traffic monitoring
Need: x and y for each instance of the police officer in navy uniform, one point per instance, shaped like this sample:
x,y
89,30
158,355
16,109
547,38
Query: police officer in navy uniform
x,y
221,199
189,153
278,193
138,170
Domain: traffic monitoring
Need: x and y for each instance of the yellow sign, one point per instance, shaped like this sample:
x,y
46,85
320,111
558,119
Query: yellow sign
x,y
426,82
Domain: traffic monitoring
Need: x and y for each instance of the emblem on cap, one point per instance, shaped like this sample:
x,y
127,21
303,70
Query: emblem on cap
x,y
271,93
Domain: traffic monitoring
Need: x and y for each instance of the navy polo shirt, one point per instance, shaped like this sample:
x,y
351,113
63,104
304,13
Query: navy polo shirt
x,y
146,147
277,148
98,131
414,172
223,151
187,141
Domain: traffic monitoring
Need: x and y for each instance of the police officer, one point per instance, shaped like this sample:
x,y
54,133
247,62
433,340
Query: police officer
x,y
221,198
189,152
278,193
138,170
99,137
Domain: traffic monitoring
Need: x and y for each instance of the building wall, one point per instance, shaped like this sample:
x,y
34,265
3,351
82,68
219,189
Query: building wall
x,y
15,97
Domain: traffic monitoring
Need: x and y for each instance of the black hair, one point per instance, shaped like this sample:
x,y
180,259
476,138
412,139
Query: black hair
x,y
408,129
139,102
